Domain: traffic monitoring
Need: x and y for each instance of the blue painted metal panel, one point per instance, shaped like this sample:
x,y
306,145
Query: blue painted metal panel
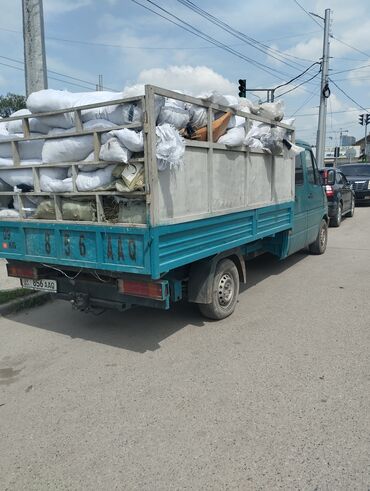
x,y
184,243
146,251
124,249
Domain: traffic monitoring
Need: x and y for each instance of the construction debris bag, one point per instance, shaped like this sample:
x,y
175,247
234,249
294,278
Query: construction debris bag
x,y
72,148
174,112
131,139
170,147
272,110
234,137
28,149
77,209
197,116
3,127
100,178
114,151
35,125
55,180
9,213
45,210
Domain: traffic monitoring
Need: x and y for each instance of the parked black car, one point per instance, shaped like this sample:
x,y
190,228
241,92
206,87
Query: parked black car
x,y
341,197
359,176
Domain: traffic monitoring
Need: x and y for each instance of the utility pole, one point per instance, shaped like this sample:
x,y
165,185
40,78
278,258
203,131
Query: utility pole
x,y
34,46
324,93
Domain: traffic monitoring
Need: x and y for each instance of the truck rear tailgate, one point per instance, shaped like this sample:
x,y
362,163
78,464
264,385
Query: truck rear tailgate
x,y
123,249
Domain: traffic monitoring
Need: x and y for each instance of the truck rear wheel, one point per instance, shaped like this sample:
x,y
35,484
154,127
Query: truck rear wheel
x,y
319,246
225,291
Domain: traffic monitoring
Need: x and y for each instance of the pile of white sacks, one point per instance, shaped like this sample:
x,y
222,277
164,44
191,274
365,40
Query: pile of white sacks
x,y
118,145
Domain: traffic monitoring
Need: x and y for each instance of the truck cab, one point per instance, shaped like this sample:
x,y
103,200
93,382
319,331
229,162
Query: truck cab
x,y
310,205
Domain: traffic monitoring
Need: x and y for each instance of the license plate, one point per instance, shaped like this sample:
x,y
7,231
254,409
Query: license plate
x,y
43,285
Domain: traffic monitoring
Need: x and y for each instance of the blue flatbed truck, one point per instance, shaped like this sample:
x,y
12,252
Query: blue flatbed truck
x,y
202,223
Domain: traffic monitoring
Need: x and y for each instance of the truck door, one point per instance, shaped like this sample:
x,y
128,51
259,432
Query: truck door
x,y
298,238
315,196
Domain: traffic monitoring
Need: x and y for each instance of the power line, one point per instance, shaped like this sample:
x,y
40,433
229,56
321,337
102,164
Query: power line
x,y
351,47
279,56
310,97
348,96
210,39
351,69
309,15
299,85
53,78
167,48
58,73
334,112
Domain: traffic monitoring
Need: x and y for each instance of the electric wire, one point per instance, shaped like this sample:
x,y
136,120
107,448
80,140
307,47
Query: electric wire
x,y
348,96
272,52
61,74
350,46
183,25
309,15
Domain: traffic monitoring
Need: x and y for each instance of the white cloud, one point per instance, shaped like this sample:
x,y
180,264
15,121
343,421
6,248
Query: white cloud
x,y
55,7
194,80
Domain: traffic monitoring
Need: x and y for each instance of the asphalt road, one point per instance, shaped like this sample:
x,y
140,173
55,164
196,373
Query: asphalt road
x,y
275,397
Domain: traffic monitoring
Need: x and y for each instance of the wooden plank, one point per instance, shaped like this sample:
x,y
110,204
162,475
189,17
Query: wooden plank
x,y
36,179
78,121
68,164
58,207
26,127
99,208
15,153
150,152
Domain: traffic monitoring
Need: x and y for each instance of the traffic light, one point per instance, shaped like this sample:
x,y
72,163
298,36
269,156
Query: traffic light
x,y
367,119
336,152
242,87
361,119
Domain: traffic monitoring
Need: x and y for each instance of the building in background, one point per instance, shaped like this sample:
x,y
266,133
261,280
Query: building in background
x,y
348,141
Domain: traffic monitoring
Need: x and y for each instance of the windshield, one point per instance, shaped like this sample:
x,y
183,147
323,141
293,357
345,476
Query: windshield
x,y
356,170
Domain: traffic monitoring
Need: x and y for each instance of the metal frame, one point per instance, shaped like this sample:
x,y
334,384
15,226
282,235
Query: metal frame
x,y
151,193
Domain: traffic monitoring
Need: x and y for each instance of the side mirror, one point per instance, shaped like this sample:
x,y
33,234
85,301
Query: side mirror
x,y
330,178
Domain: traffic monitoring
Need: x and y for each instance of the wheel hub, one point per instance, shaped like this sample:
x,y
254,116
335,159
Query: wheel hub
x,y
225,289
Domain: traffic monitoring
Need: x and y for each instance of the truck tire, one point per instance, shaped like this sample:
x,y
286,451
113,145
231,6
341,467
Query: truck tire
x,y
319,246
337,220
224,293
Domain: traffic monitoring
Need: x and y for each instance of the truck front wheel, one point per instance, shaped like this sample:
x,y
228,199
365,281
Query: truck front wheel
x,y
319,246
225,291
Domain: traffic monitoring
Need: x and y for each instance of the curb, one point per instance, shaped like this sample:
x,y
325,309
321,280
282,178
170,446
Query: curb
x,y
28,301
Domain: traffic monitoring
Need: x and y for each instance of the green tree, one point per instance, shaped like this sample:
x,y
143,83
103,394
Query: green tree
x,y
10,103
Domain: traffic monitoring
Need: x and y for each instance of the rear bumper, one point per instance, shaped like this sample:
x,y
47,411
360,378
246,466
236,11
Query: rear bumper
x,y
362,196
332,208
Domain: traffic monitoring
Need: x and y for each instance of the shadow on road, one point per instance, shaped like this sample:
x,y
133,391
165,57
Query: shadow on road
x,y
141,329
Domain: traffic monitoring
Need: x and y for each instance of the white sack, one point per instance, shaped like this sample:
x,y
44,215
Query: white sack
x,y
72,148
198,116
3,127
114,151
256,132
9,213
175,113
272,110
224,100
291,150
35,125
28,149
52,180
170,147
288,121
236,120
89,181
131,139
234,137
19,176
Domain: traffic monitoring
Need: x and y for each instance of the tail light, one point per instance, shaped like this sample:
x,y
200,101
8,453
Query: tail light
x,y
22,271
329,191
157,290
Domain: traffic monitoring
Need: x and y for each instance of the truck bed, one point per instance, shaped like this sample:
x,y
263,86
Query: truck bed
x,y
150,251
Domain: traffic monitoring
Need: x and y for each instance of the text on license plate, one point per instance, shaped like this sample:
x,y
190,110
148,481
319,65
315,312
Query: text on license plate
x,y
43,285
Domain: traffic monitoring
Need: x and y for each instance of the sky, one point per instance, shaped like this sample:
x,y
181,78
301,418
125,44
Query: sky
x,y
130,45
